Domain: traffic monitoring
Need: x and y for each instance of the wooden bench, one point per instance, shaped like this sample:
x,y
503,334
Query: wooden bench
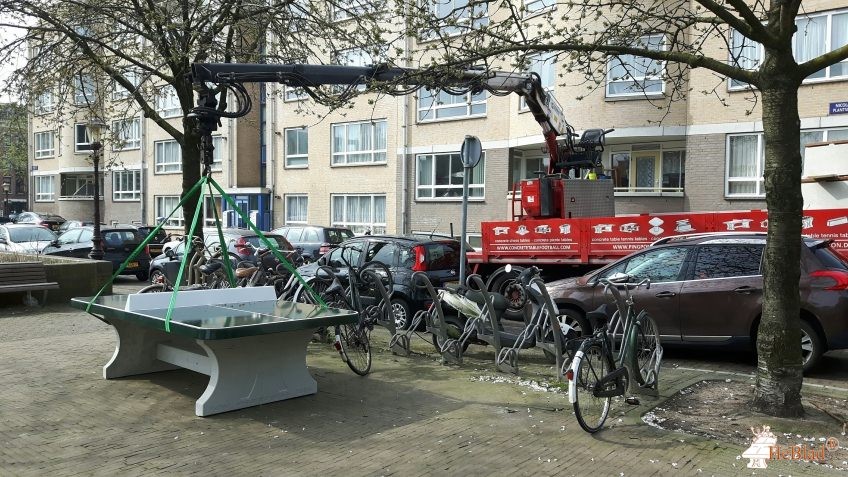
x,y
25,277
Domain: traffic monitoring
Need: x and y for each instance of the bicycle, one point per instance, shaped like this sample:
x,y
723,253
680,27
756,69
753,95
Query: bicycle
x,y
352,341
600,370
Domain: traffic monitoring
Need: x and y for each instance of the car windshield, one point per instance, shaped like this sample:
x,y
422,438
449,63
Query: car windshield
x,y
116,238
337,236
30,234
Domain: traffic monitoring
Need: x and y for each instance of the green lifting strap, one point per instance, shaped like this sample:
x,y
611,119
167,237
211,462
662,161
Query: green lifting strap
x,y
267,243
225,249
188,251
143,244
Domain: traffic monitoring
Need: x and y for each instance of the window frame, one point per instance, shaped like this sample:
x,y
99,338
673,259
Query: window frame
x,y
119,193
156,163
45,196
435,107
287,156
44,153
659,154
168,103
43,108
178,220
81,147
462,24
83,180
346,154
81,94
434,188
286,219
120,93
118,131
219,148
545,8
643,94
545,58
373,225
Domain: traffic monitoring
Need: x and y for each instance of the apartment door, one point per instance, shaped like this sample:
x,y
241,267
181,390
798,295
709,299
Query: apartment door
x,y
645,171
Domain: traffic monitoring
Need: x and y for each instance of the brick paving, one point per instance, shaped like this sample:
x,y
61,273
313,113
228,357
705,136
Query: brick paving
x,y
410,417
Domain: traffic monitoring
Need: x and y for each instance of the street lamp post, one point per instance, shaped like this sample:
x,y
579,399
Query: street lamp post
x,y
7,187
94,128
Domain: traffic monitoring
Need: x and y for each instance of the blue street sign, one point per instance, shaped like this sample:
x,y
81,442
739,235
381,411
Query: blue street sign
x,y
839,108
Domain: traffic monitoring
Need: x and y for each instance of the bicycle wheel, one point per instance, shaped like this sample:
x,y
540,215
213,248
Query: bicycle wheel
x,y
356,347
591,411
645,350
154,288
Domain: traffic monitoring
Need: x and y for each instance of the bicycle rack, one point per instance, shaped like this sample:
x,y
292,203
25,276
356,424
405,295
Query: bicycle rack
x,y
437,326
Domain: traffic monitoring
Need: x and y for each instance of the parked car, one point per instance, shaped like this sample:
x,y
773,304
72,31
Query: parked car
x,y
51,221
314,240
156,245
25,238
118,243
240,242
404,255
74,224
707,290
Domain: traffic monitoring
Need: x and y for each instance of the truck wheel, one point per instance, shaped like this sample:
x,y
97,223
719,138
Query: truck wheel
x,y
503,282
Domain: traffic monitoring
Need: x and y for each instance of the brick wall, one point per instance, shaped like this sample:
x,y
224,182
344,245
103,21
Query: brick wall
x,y
705,175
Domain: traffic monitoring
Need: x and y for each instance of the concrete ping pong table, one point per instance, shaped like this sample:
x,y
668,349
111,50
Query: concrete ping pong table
x,y
252,348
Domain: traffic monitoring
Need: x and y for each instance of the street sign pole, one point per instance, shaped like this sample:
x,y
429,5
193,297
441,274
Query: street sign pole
x,y
470,154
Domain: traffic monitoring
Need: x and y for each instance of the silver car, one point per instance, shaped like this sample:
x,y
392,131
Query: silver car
x,y
24,238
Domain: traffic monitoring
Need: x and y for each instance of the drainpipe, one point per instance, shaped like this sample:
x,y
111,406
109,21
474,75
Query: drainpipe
x,y
404,222
144,174
271,147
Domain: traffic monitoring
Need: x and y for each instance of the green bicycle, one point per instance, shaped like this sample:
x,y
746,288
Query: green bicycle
x,y
625,347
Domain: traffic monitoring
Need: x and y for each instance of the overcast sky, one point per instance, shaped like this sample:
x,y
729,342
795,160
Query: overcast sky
x,y
7,35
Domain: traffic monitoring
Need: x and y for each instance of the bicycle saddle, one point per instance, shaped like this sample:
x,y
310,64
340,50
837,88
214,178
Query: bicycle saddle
x,y
210,267
335,287
245,272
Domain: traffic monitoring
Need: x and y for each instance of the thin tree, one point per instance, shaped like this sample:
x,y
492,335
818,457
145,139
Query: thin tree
x,y
141,47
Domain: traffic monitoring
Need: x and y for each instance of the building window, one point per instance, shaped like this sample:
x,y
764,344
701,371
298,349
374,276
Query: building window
x,y
296,209
211,207
295,93
439,176
167,157
217,153
455,17
78,186
165,204
744,53
127,134
353,9
648,169
746,159
126,185
629,75
359,143
544,65
534,6
119,92
297,147
44,103
816,35
360,213
354,57
84,90
167,103
435,104
526,168
44,189
81,141
44,144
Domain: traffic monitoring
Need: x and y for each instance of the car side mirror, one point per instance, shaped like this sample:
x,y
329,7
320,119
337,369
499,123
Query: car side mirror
x,y
2,240
170,254
618,278
54,243
322,261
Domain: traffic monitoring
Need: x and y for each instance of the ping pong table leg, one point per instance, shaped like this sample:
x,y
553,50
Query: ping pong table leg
x,y
135,352
255,370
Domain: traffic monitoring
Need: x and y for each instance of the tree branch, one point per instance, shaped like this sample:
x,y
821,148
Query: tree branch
x,y
754,32
751,19
820,62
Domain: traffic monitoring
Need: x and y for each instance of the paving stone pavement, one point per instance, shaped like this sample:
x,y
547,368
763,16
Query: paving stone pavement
x,y
410,417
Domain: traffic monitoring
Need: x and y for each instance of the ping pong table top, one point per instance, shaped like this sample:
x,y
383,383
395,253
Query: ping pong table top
x,y
223,321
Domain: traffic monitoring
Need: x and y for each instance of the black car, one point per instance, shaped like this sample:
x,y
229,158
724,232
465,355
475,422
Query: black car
x,y
404,255
51,221
314,240
240,242
118,242
154,247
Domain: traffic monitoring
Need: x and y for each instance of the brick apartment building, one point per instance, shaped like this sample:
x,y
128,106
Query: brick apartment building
x,y
391,166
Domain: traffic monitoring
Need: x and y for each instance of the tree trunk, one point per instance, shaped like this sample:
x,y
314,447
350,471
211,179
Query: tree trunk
x,y
779,371
191,172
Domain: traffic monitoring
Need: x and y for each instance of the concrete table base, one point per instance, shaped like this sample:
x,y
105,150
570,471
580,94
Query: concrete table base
x,y
243,372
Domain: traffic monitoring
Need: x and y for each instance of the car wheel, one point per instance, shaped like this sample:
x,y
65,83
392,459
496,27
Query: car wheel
x,y
400,309
142,276
574,326
156,276
812,347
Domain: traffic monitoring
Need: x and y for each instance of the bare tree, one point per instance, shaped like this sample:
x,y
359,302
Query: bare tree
x,y
141,48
